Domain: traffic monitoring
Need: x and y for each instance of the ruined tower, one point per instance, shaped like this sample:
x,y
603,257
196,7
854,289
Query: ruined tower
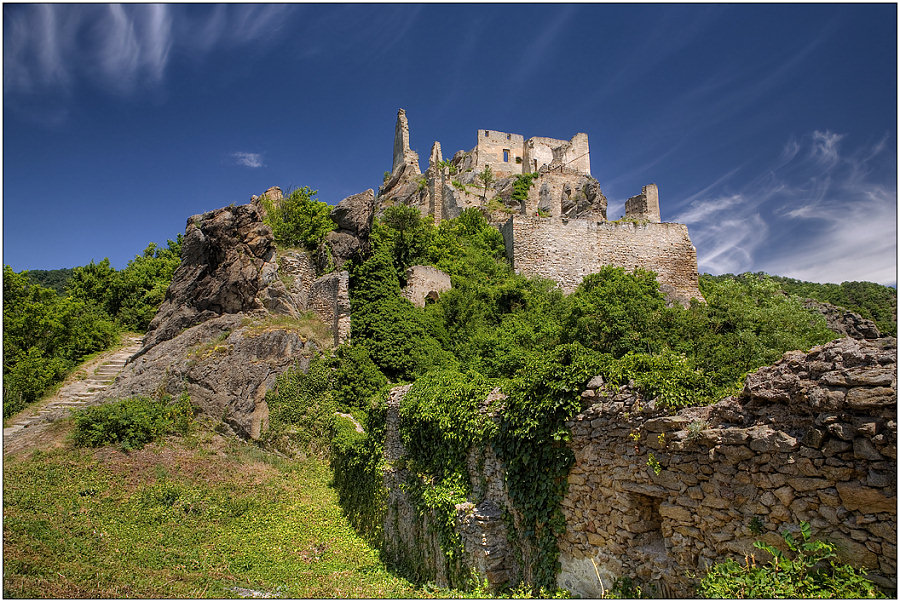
x,y
402,153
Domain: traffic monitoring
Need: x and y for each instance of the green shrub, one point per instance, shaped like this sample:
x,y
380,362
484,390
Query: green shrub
x,y
809,570
299,219
301,411
133,422
522,184
357,460
44,336
356,378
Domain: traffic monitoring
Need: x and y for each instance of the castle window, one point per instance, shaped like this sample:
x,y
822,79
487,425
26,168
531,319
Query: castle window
x,y
506,155
487,133
509,136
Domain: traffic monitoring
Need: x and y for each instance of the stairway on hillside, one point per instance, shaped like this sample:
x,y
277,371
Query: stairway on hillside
x,y
73,395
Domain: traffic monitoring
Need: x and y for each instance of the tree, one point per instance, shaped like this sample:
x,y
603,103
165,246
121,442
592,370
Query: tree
x,y
299,219
487,178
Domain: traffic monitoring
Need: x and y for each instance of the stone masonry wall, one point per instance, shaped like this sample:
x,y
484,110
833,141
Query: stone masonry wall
x,y
812,438
411,539
329,298
567,250
424,282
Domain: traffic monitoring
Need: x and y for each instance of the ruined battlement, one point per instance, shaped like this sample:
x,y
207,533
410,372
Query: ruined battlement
x,y
556,229
509,154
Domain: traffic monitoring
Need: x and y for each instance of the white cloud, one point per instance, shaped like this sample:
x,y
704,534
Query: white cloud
x,y
825,146
816,214
253,160
123,48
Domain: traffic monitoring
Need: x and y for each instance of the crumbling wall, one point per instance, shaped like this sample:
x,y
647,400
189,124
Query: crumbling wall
x,y
812,438
568,250
501,150
329,299
644,206
425,283
410,537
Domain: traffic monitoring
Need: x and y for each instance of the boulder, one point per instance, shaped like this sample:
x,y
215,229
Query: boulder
x,y
226,364
843,321
227,266
354,214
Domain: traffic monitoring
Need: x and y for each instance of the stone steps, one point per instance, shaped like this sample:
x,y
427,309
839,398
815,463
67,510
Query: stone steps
x,y
74,395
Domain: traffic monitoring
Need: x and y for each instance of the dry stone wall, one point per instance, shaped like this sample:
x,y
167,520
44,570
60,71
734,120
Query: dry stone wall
x,y
812,438
411,538
568,250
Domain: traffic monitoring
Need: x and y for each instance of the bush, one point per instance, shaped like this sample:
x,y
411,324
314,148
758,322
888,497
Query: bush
x,y
44,335
132,422
301,411
808,571
299,219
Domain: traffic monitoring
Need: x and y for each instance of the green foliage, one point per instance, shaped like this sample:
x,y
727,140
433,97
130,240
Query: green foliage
x,y
522,184
356,377
133,422
133,295
531,442
873,301
617,312
439,421
809,570
301,411
744,325
391,330
44,336
299,219
53,279
357,461
486,177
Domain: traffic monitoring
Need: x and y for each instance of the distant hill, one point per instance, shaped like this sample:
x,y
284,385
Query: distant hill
x,y
873,301
55,279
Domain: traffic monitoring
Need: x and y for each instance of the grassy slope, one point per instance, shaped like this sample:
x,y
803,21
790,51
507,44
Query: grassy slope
x,y
184,518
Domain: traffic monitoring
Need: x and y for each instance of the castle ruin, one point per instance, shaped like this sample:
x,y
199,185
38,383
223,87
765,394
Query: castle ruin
x,y
558,229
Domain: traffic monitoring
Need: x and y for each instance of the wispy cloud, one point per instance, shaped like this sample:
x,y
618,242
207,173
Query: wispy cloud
x,y
817,214
253,160
49,49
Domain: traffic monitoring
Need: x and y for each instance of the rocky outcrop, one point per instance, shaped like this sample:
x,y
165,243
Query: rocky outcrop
x,y
843,321
227,266
226,364
353,216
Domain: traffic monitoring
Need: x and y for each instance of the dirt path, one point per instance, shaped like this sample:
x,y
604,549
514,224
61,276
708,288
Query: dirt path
x,y
30,426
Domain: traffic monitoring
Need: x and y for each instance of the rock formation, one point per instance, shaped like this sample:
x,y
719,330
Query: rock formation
x,y
843,321
353,216
227,266
237,314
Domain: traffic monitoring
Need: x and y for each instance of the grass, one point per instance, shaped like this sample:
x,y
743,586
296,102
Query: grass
x,y
308,326
183,518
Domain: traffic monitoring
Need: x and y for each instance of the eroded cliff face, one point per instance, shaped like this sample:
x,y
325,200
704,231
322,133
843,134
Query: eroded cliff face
x,y
236,315
228,266
811,438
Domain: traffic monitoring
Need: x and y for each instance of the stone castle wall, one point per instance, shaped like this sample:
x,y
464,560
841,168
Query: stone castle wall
x,y
812,438
510,154
568,250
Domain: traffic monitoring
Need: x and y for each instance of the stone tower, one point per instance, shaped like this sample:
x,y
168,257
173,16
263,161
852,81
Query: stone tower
x,y
402,153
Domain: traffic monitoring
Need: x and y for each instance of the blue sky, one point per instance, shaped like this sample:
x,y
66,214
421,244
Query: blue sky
x,y
771,130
